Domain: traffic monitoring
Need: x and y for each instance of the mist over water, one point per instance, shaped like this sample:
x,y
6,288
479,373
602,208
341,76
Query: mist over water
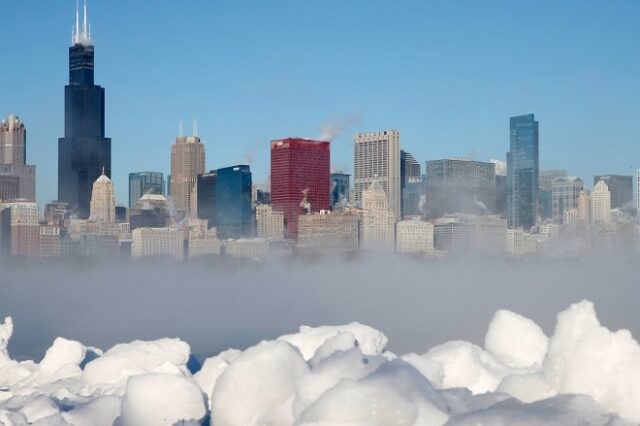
x,y
213,306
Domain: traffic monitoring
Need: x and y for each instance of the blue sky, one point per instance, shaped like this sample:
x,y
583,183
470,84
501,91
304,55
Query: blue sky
x,y
447,74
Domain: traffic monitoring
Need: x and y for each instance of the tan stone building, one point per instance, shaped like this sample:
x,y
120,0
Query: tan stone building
x,y
103,200
187,162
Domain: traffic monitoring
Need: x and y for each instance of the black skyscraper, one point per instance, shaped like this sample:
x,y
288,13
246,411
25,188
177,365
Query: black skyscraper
x,y
83,151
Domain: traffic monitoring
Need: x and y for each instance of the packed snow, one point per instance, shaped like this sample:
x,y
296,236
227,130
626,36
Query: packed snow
x,y
584,374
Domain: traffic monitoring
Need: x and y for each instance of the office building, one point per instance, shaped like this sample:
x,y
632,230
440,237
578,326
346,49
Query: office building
x,y
377,157
246,248
141,183
520,243
49,241
103,201
233,202
546,178
150,212
269,223
9,188
486,233
450,235
460,186
601,203
13,156
157,242
522,172
414,237
206,190
187,162
57,214
413,196
410,184
340,184
584,206
21,220
378,221
328,232
620,187
545,195
566,191
84,151
300,179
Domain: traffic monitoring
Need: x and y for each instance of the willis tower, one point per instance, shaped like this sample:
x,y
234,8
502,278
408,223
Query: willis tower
x,y
83,152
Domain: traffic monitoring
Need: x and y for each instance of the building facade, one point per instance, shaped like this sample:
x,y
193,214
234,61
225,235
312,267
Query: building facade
x,y
522,172
377,157
601,203
460,186
269,223
141,183
206,189
414,237
620,187
300,179
340,186
566,191
328,232
378,220
13,156
103,201
233,202
187,162
157,242
84,151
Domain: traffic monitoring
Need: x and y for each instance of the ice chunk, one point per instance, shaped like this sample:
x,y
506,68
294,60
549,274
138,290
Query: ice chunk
x,y
101,411
6,330
258,386
515,340
212,369
309,339
161,399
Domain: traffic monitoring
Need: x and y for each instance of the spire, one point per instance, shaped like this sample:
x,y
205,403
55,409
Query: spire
x,y
180,129
82,36
76,35
103,170
195,127
85,29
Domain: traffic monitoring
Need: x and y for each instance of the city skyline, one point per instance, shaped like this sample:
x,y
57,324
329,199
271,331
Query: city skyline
x,y
358,110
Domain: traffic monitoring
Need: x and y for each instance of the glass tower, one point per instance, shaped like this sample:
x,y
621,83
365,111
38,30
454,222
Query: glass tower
x,y
84,151
522,172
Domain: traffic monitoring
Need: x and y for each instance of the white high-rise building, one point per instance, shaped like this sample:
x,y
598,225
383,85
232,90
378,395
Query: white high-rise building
x,y
566,191
378,221
520,243
414,237
377,157
103,200
584,206
601,203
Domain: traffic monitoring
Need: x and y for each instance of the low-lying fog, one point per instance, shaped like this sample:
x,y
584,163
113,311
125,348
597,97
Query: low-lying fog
x,y
417,303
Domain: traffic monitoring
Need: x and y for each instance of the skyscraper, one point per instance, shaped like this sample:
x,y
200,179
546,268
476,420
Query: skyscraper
x,y
103,200
13,155
141,183
620,187
545,194
522,172
233,202
378,221
84,151
300,179
460,186
377,157
187,162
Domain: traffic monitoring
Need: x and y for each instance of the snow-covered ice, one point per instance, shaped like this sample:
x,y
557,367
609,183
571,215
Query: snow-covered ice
x,y
583,374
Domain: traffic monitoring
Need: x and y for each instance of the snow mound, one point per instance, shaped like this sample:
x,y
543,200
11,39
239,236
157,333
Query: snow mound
x,y
161,399
584,374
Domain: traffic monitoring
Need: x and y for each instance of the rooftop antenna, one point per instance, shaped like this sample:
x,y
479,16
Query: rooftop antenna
x,y
84,22
76,37
195,127
180,129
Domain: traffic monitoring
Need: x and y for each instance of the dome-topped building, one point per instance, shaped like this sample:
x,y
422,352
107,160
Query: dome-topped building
x,y
103,200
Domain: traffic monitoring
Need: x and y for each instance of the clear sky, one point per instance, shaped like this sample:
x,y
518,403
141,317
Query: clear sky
x,y
447,74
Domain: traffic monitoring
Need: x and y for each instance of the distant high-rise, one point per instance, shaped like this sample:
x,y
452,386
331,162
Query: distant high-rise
x,y
545,195
300,179
187,162
620,187
206,186
378,221
84,151
522,172
566,191
377,157
13,155
339,189
141,183
601,203
233,202
103,200
460,186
